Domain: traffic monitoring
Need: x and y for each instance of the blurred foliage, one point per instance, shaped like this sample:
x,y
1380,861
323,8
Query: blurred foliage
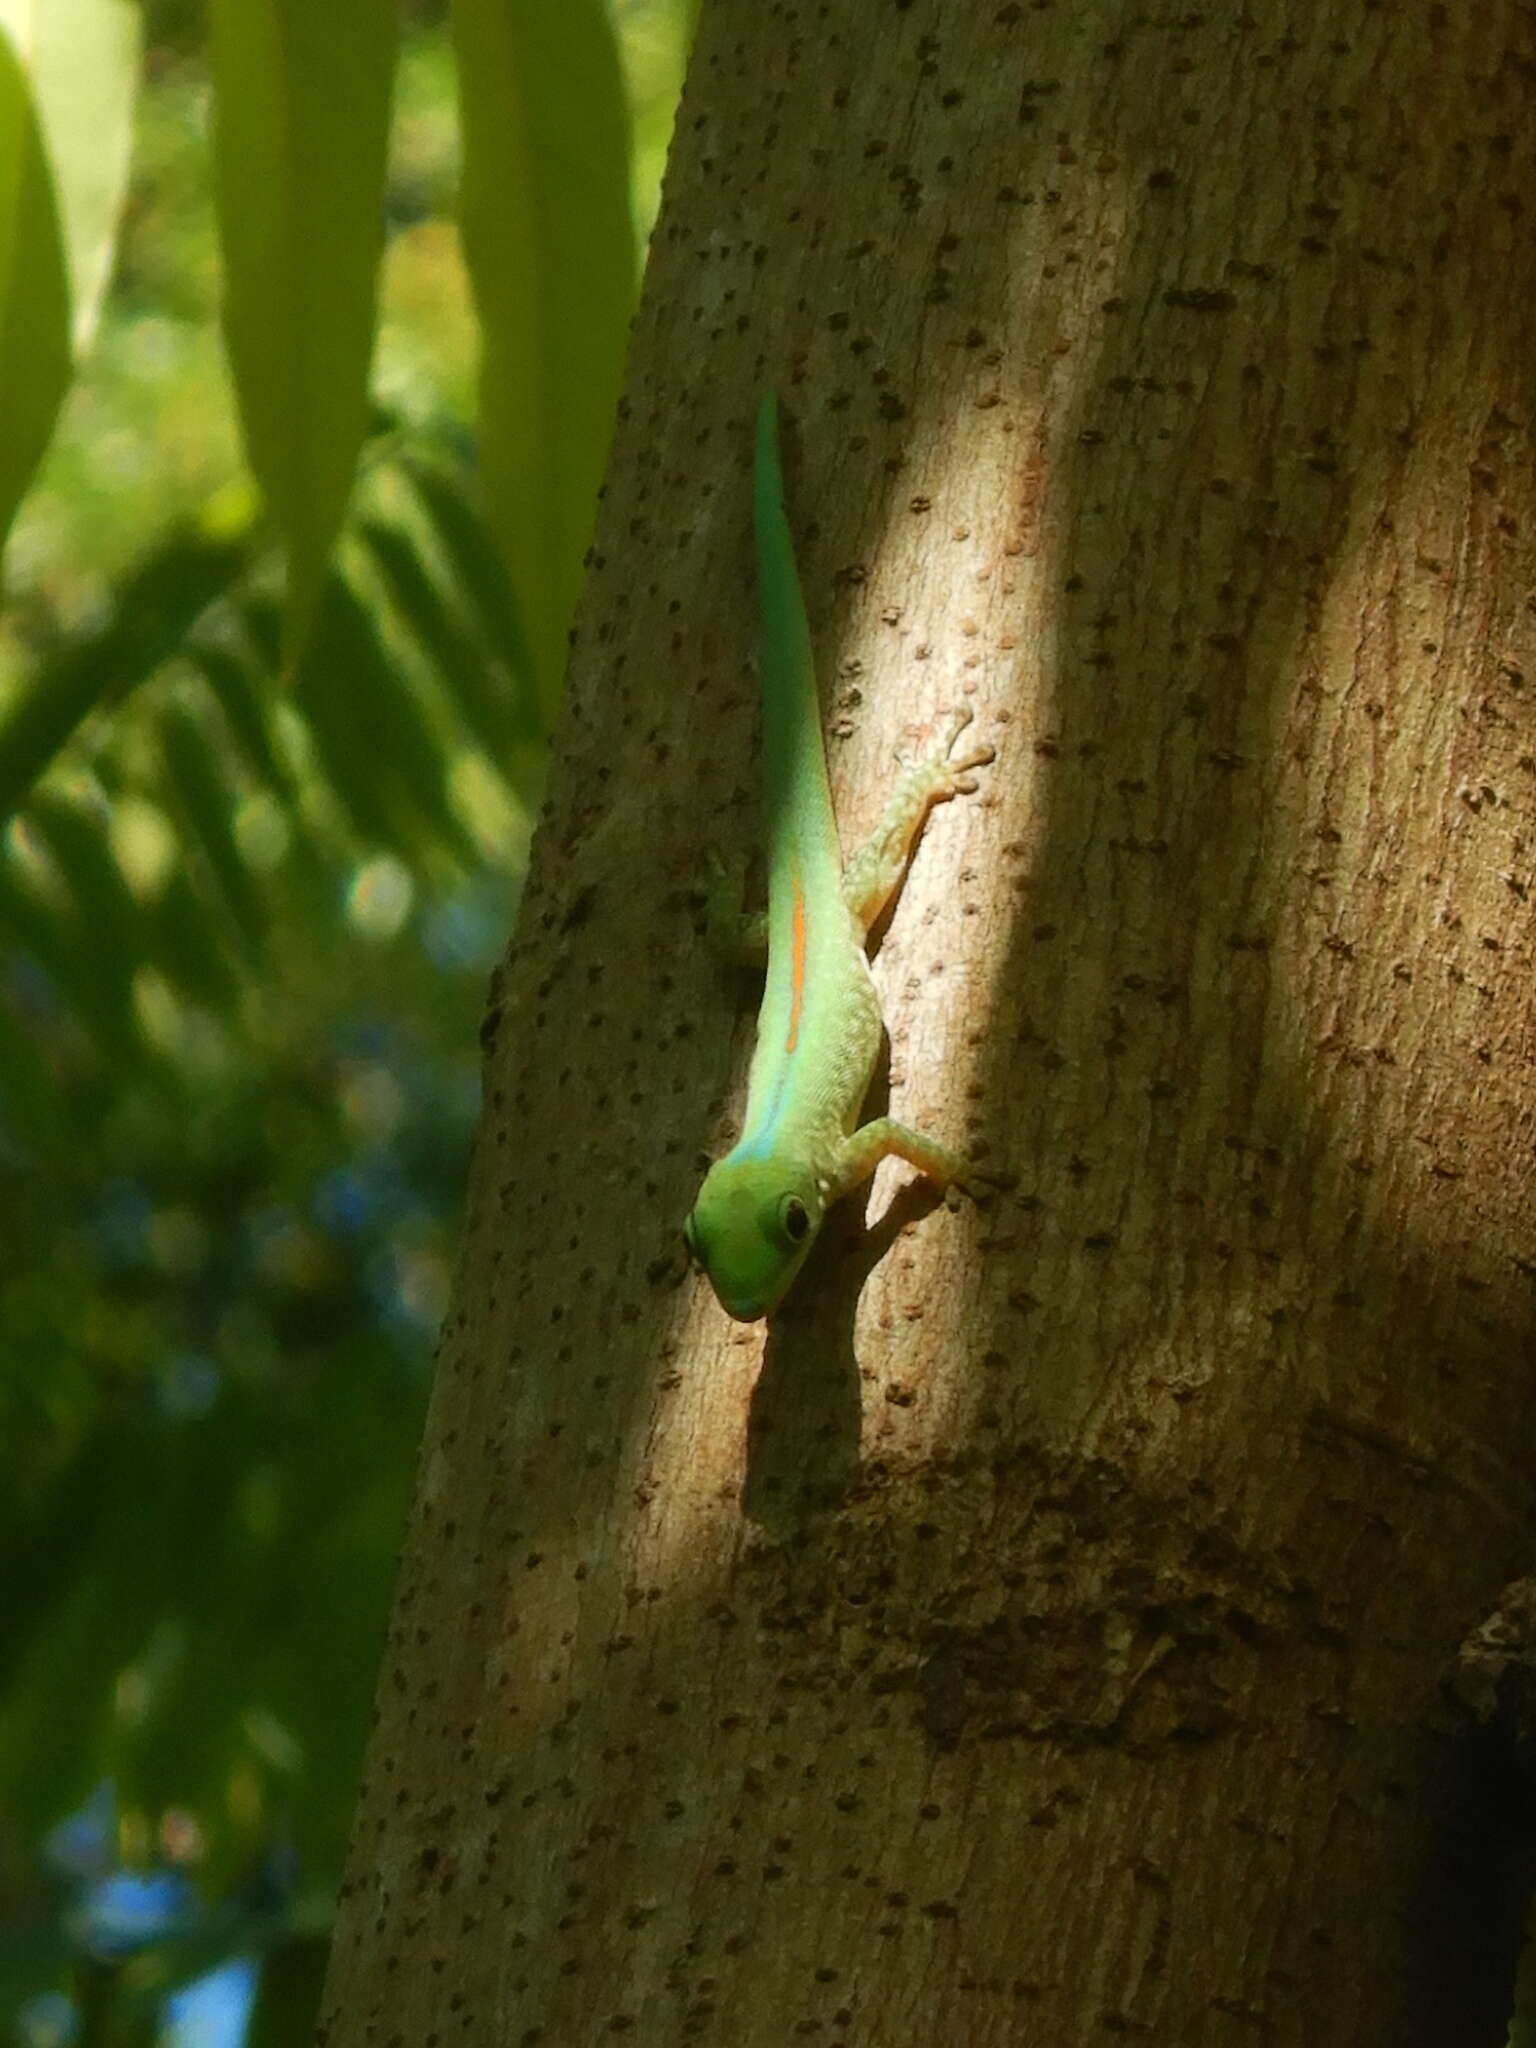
x,y
152,839
244,934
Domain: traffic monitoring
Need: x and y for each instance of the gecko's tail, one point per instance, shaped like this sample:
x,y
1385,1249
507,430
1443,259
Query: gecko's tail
x,y
795,770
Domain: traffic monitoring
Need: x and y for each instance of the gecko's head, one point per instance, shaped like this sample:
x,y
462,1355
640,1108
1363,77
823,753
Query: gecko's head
x,y
750,1230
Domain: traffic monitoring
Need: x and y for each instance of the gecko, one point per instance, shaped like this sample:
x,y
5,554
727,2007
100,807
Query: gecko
x,y
818,1032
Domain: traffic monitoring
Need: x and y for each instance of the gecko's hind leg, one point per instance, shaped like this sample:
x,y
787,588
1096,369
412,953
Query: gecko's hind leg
x,y
874,874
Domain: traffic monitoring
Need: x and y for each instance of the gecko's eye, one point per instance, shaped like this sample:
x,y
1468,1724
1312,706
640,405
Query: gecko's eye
x,y
794,1217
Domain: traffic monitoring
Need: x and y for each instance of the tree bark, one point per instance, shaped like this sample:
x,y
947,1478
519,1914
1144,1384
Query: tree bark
x,y
1042,1636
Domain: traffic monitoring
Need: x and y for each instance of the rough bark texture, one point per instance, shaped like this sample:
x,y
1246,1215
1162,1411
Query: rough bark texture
x,y
1042,1638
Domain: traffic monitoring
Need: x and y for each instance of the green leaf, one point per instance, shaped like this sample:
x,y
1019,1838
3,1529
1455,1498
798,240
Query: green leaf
x,y
177,939
379,752
103,920
412,700
243,701
205,802
83,60
292,1980
302,95
432,598
89,982
246,699
34,292
550,248
156,608
460,525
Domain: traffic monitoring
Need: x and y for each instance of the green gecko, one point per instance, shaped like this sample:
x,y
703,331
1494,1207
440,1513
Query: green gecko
x,y
818,1032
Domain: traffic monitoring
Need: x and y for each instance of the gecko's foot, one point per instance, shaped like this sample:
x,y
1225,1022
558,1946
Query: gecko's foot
x,y
969,1189
953,777
979,1181
739,935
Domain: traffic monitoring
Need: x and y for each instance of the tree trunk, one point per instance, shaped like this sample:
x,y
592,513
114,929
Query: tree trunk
x,y
1041,1637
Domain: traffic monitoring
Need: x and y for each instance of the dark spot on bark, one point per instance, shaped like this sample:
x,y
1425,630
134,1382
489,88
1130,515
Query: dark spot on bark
x,y
1199,299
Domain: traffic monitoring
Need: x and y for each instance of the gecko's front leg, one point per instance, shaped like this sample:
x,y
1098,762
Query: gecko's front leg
x,y
881,1138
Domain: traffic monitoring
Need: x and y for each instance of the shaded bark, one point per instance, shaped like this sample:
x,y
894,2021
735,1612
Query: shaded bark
x,y
1042,1636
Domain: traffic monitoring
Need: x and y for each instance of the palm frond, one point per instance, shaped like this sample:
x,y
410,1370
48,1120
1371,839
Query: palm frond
x,y
146,850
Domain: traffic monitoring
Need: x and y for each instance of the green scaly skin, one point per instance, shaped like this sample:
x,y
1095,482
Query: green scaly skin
x,y
818,1033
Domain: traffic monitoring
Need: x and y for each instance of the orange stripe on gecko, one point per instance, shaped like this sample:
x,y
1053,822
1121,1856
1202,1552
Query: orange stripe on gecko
x,y
797,968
